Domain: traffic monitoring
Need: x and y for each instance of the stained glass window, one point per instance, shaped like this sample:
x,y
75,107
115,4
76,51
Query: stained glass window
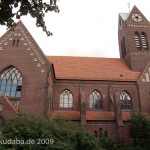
x,y
11,82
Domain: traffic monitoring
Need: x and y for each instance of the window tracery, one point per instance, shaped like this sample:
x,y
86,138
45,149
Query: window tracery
x,y
95,100
11,82
125,100
66,99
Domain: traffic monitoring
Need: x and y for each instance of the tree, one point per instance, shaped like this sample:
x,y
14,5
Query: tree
x,y
107,142
140,128
55,135
36,8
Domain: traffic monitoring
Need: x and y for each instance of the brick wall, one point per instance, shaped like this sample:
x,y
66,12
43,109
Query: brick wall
x,y
31,63
89,86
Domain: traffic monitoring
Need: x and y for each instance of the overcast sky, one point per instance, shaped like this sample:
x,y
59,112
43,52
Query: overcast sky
x,y
83,27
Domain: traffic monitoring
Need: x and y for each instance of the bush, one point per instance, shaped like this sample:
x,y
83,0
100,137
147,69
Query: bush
x,y
107,142
140,129
66,135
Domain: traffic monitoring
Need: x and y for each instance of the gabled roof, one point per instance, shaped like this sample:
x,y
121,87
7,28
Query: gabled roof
x,y
135,10
92,68
27,43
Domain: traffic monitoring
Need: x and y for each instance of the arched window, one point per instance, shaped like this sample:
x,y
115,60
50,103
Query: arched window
x,y
96,134
137,41
125,100
13,44
100,133
144,41
17,44
106,133
66,99
95,100
11,82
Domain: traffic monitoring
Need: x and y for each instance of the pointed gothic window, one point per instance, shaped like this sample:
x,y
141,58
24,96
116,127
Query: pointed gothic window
x,y
144,41
13,44
11,82
17,44
125,100
95,101
66,99
100,132
137,41
96,134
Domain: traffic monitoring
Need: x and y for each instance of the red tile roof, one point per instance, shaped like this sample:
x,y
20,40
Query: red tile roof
x,y
67,115
95,115
98,115
90,115
126,116
92,68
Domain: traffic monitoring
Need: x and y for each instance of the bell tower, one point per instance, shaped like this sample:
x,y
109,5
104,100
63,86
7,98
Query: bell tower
x,y
134,39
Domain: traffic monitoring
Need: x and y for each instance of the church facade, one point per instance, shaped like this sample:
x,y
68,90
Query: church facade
x,y
98,93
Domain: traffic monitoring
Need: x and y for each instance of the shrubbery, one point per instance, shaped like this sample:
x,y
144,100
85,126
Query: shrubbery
x,y
66,135
140,130
63,135
140,133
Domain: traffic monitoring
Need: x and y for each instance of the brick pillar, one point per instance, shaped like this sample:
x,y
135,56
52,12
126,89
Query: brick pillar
x,y
115,99
119,121
82,106
118,110
121,134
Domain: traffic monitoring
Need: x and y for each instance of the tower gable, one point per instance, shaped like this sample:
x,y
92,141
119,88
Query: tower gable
x,y
136,17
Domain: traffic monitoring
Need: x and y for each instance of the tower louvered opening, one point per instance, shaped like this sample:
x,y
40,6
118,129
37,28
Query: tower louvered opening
x,y
144,41
137,40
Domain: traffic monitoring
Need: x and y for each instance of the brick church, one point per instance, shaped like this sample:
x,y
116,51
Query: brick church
x,y
98,93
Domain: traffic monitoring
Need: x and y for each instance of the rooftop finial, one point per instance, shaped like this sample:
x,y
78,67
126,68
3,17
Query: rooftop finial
x,y
129,6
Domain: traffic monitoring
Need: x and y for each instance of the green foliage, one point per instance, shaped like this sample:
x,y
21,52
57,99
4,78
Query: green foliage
x,y
140,132
66,135
36,8
140,128
107,142
131,147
